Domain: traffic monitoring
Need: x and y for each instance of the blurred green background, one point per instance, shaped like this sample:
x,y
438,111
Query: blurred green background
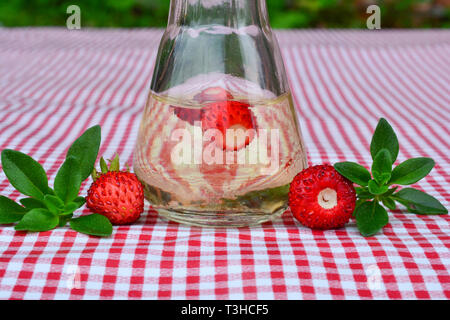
x,y
283,13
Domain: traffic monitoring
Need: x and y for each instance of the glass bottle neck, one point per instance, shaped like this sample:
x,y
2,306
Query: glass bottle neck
x,y
230,13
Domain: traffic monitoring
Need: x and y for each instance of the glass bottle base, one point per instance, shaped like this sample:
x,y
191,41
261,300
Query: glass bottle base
x,y
218,219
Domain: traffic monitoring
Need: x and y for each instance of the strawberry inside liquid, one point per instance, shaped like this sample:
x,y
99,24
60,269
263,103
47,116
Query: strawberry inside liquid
x,y
222,113
233,116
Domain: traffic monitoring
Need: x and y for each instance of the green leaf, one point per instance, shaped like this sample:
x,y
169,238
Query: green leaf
x,y
103,165
389,192
411,171
358,203
85,150
389,203
93,224
68,180
354,172
115,165
419,202
69,208
32,203
363,193
38,220
24,173
384,137
64,219
376,189
382,166
53,203
10,211
370,218
80,201
94,175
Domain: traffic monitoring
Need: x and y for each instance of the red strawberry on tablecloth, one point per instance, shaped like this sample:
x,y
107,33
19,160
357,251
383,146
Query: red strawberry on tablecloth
x,y
118,195
320,198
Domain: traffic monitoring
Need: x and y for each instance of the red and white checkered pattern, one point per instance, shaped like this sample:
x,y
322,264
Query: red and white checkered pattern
x,y
55,83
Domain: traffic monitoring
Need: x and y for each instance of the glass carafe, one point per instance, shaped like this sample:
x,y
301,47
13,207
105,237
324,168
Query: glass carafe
x,y
219,141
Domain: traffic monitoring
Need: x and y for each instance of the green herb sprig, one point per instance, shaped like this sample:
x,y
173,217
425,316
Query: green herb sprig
x,y
46,208
379,187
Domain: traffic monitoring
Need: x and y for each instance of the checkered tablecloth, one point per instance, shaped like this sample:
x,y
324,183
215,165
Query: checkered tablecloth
x,y
55,83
